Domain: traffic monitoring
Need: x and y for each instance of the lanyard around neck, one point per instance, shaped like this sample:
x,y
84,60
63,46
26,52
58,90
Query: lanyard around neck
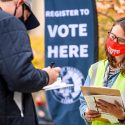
x,y
110,73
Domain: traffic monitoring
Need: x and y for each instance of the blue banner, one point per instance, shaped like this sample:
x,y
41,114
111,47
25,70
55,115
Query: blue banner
x,y
71,42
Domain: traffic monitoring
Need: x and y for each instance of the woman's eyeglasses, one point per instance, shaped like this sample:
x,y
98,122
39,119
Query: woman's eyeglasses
x,y
118,39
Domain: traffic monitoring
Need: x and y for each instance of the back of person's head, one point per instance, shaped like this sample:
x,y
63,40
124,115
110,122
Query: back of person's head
x,y
28,18
7,0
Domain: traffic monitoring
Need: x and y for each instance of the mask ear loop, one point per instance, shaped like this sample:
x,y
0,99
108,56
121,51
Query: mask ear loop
x,y
23,7
22,17
15,11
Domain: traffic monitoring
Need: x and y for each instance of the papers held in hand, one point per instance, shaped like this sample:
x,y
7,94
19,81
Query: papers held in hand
x,y
91,90
57,85
92,94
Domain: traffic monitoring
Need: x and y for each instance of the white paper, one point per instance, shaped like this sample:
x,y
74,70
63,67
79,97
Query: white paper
x,y
18,100
57,85
91,102
91,99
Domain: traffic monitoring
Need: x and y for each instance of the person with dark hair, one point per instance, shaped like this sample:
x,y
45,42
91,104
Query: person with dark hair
x,y
108,73
18,77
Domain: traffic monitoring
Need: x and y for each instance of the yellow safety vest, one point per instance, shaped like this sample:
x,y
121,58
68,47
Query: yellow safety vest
x,y
98,70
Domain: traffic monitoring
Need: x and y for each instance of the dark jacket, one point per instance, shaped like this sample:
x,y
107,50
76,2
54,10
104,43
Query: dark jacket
x,y
17,72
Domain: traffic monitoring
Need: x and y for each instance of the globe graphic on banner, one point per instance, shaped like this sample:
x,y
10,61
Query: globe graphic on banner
x,y
69,95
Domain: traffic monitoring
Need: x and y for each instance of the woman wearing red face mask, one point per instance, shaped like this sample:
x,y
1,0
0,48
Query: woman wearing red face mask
x,y
108,73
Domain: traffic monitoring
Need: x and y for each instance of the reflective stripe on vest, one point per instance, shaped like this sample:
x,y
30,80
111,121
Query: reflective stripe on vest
x,y
97,70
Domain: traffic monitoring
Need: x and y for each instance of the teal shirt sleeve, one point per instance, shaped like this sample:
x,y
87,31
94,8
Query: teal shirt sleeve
x,y
83,104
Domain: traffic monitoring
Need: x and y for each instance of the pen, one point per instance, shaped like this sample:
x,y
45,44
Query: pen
x,y
52,64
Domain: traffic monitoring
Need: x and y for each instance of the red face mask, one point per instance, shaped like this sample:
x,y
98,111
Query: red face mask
x,y
114,48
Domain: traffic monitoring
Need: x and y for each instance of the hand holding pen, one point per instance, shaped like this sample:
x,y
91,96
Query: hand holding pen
x,y
53,72
52,64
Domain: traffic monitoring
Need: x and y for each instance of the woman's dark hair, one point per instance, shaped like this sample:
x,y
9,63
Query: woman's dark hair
x,y
111,59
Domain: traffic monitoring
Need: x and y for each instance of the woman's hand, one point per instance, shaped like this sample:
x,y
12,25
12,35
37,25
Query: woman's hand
x,y
90,115
114,109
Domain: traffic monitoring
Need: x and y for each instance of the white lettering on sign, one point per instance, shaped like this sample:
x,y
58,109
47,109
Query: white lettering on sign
x,y
66,30
67,13
68,51
84,12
